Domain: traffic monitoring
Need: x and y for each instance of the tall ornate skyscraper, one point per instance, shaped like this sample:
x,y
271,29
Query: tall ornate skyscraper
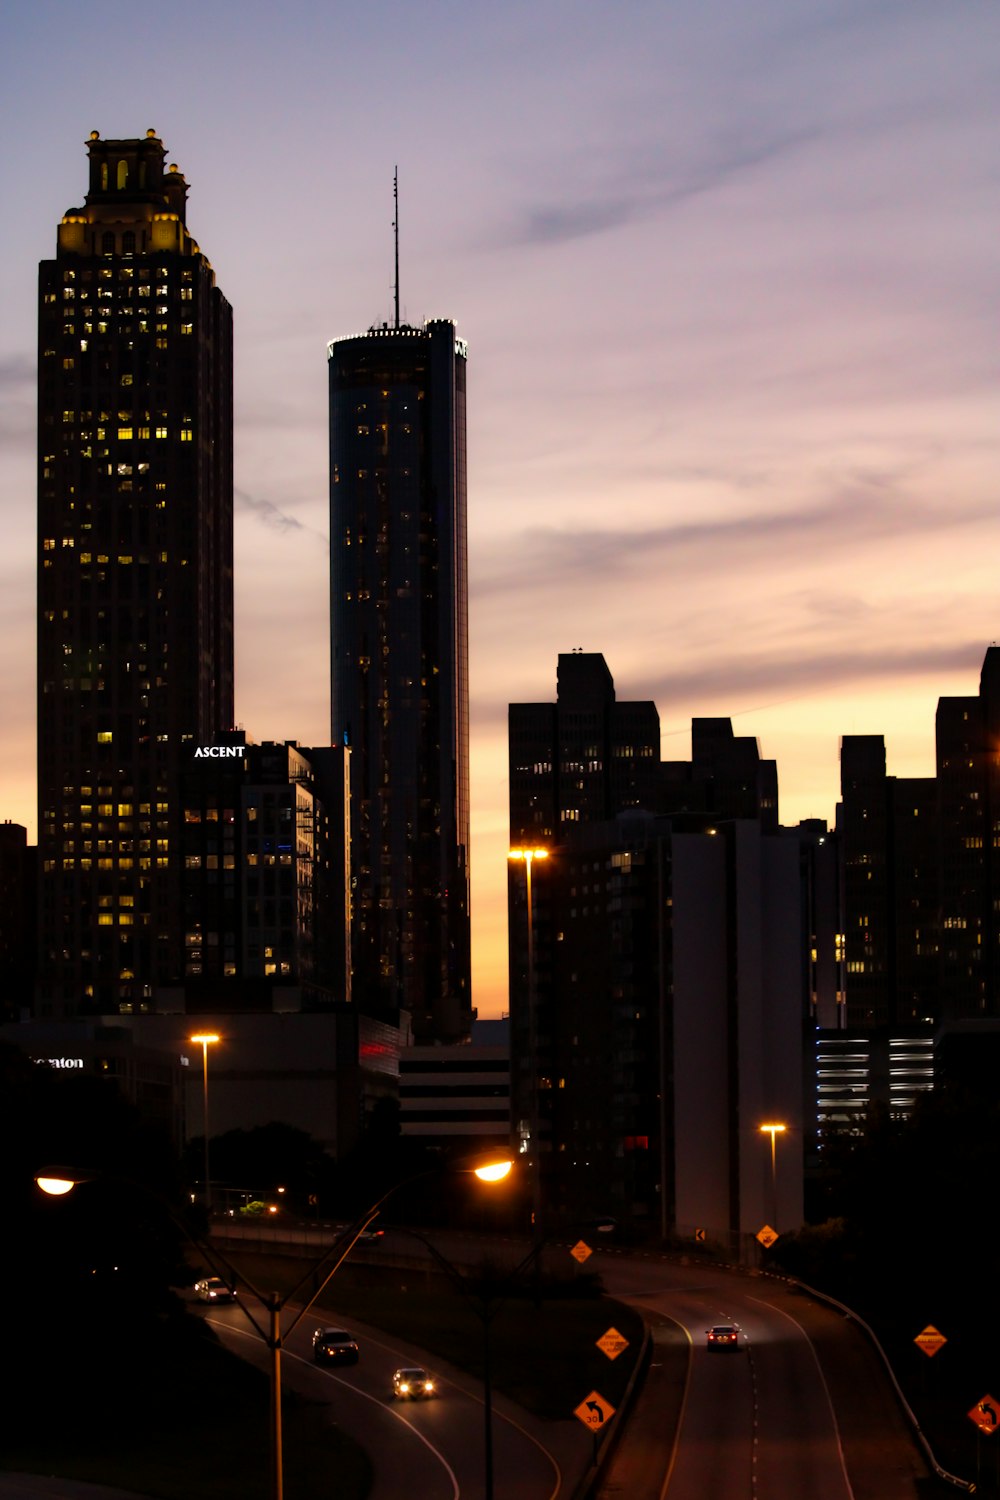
x,y
399,611
135,586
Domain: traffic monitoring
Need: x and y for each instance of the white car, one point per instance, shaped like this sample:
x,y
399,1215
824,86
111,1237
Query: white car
x,y
413,1383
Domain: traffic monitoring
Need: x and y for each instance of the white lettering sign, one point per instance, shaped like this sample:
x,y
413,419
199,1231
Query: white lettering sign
x,y
219,752
60,1062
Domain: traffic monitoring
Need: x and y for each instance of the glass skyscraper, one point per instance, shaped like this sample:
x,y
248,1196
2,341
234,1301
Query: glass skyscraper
x,y
399,614
135,581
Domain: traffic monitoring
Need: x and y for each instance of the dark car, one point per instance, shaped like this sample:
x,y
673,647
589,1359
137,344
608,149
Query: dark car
x,y
214,1289
723,1336
413,1383
334,1346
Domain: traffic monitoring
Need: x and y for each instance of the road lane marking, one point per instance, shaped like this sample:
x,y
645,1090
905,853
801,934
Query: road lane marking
x,y
684,1401
819,1370
356,1390
472,1395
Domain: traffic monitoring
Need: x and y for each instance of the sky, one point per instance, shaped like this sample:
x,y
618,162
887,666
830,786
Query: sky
x,y
728,276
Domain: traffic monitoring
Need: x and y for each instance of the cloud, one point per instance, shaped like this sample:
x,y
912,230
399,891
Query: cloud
x,y
724,683
807,674
17,374
866,511
269,515
572,221
651,185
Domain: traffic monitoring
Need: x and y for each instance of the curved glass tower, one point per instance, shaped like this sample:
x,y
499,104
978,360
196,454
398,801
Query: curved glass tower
x,y
399,663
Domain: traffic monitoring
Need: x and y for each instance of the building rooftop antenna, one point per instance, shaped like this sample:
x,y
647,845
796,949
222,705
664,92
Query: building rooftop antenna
x,y
395,230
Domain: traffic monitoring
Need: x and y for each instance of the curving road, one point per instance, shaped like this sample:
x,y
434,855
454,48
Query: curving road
x,y
433,1448
801,1410
804,1410
756,1421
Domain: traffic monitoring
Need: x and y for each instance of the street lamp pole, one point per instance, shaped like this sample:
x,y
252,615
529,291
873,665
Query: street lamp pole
x,y
205,1038
58,1182
489,1302
774,1131
528,857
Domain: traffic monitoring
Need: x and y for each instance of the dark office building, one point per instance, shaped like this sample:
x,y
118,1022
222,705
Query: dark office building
x,y
135,589
659,983
968,780
584,757
888,828
589,756
18,935
725,776
458,1097
669,996
263,847
399,611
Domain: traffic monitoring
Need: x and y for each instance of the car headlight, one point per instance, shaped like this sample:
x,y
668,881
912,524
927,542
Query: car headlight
x,y
404,1388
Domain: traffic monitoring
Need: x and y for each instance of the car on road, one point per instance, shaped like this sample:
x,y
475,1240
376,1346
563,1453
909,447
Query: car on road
x,y
366,1235
334,1346
214,1289
413,1383
723,1336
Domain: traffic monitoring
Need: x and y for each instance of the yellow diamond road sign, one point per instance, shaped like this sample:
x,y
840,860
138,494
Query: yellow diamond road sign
x,y
985,1414
767,1236
612,1343
594,1411
930,1341
581,1251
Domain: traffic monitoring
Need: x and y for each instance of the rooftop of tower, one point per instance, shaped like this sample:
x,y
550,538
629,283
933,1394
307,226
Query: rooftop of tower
x,y
403,330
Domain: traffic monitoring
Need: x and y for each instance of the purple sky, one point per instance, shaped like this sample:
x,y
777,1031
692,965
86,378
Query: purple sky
x,y
729,282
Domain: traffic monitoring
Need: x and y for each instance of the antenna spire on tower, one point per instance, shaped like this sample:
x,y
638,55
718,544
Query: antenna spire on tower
x,y
395,228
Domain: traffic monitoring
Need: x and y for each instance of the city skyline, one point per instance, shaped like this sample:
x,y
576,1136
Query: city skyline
x,y
728,286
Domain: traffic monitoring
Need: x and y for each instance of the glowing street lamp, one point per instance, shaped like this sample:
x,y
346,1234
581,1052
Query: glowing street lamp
x,y
492,1167
493,1171
773,1131
206,1038
56,1187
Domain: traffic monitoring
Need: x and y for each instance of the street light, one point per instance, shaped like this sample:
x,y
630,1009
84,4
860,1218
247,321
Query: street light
x,y
487,1303
773,1131
528,857
59,1181
206,1038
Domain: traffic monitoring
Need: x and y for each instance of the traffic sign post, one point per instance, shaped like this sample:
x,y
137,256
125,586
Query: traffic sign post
x,y
930,1340
594,1412
767,1236
612,1343
986,1416
581,1251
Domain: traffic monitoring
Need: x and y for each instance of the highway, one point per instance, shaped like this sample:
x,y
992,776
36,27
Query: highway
x,y
803,1409
431,1448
